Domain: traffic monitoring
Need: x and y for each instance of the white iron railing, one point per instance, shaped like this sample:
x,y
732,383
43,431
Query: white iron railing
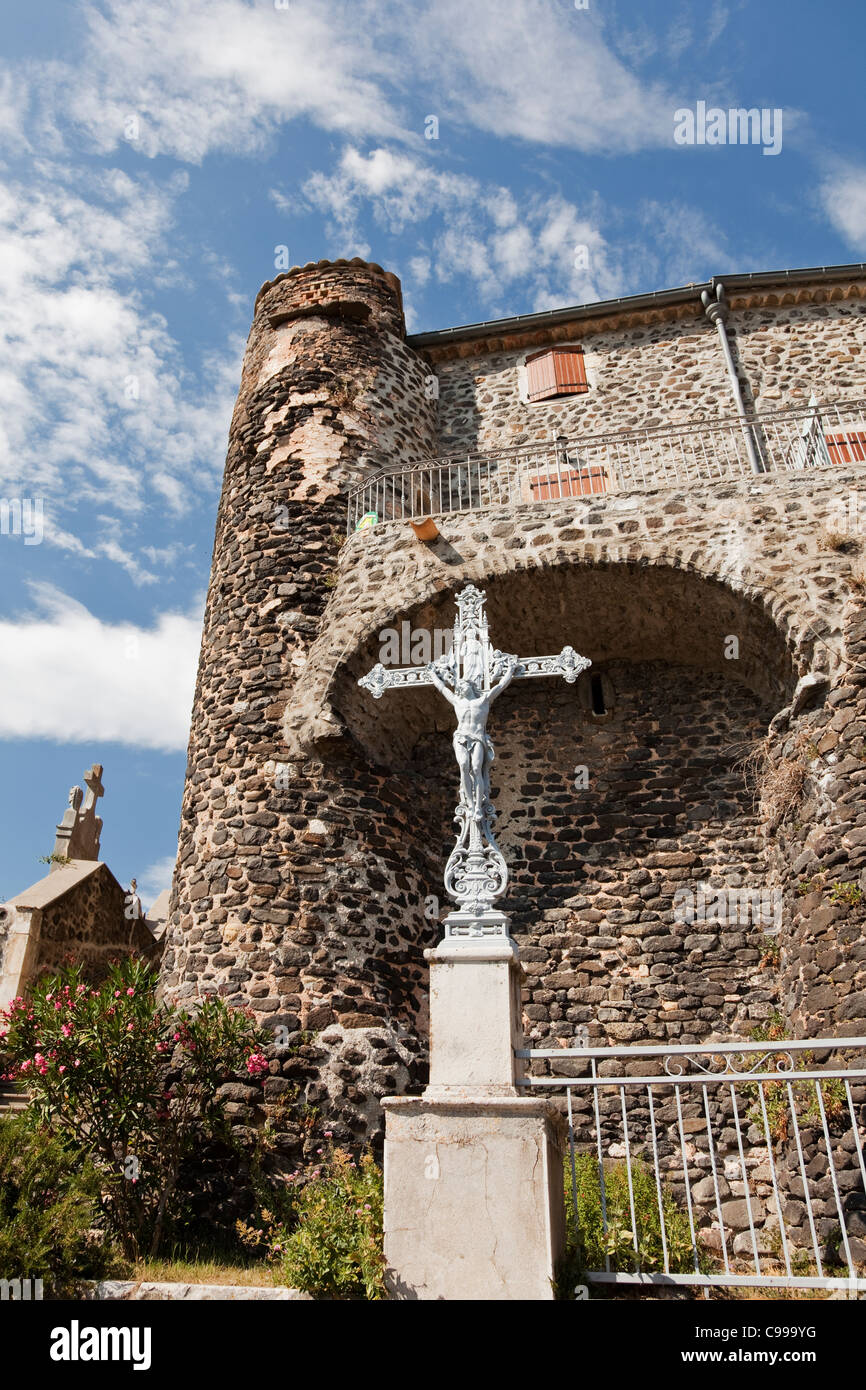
x,y
760,1122
784,441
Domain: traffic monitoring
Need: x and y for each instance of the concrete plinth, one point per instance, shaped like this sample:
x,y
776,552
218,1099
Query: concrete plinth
x,y
473,1197
474,1018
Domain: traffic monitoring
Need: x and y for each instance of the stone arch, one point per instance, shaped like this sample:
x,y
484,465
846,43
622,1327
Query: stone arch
x,y
610,611
667,802
388,578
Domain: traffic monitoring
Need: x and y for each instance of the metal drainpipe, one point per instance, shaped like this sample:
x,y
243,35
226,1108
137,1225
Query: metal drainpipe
x,y
717,312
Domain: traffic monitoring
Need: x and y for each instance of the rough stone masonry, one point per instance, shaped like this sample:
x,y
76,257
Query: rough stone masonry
x,y
315,823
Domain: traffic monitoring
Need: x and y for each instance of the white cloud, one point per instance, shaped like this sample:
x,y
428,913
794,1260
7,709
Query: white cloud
x,y
14,96
96,405
155,879
224,75
680,244
70,677
477,230
210,75
536,71
843,195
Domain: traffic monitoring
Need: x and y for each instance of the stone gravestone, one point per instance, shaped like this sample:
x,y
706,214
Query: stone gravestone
x,y
473,1168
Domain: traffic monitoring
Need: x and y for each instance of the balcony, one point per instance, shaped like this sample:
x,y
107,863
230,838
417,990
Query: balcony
x,y
789,441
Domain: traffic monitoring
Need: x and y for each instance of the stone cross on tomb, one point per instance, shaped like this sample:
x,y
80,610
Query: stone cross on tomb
x,y
470,677
79,832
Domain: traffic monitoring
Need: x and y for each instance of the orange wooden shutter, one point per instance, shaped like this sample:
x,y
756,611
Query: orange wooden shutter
x,y
569,369
847,448
541,376
556,372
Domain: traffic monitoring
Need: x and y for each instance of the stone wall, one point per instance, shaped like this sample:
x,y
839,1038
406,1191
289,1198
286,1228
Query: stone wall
x,y
816,825
595,869
666,370
275,862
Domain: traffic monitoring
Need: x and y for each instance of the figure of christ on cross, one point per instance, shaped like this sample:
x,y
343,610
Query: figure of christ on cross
x,y
471,676
473,746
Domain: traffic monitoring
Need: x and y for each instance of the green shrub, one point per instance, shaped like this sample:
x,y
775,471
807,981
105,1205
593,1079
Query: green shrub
x,y
847,893
588,1244
779,1094
129,1081
48,1206
333,1248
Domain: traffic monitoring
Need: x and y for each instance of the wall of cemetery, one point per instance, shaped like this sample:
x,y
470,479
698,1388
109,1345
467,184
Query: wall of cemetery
x,y
77,912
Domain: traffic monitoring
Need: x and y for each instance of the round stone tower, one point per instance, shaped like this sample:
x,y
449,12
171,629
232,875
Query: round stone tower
x,y
330,392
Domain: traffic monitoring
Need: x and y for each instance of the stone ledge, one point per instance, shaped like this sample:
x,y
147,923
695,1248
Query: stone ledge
x,y
144,1291
471,1103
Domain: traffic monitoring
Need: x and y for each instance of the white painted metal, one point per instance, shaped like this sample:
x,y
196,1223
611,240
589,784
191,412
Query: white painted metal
x,y
817,436
723,1069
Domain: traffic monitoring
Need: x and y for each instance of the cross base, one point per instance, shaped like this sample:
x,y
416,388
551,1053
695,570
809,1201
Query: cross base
x,y
475,926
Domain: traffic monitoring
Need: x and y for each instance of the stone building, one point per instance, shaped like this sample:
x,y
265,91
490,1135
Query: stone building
x,y
76,911
672,483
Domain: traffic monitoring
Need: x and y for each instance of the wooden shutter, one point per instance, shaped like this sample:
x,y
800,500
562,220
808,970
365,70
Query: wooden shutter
x,y
555,372
569,482
849,447
541,376
570,370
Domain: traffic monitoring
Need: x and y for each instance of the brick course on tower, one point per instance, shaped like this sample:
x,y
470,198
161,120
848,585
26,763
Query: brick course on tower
x,y
316,822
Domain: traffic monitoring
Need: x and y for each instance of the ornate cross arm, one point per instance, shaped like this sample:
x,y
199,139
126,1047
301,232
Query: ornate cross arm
x,y
381,678
567,664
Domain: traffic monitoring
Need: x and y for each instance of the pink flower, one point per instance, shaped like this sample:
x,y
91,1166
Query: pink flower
x,y
61,1068
76,1063
130,992
66,1030
130,1027
117,994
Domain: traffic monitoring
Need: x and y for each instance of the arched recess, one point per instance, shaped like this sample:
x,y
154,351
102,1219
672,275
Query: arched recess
x,y
602,821
610,612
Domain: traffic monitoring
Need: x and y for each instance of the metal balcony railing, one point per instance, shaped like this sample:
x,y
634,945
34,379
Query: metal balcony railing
x,y
786,441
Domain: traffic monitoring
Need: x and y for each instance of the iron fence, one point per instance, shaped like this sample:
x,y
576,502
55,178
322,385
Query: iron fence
x,y
758,1149
634,461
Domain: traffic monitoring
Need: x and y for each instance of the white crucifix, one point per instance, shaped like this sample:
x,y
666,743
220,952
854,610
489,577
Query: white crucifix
x,y
471,676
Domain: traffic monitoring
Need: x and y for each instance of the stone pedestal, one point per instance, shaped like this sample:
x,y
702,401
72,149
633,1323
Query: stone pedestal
x,y
474,1017
473,1168
473,1197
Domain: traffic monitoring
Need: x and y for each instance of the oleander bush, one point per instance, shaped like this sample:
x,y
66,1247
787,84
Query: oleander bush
x,y
127,1083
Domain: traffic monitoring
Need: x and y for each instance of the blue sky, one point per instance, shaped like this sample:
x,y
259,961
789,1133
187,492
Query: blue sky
x,y
154,157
